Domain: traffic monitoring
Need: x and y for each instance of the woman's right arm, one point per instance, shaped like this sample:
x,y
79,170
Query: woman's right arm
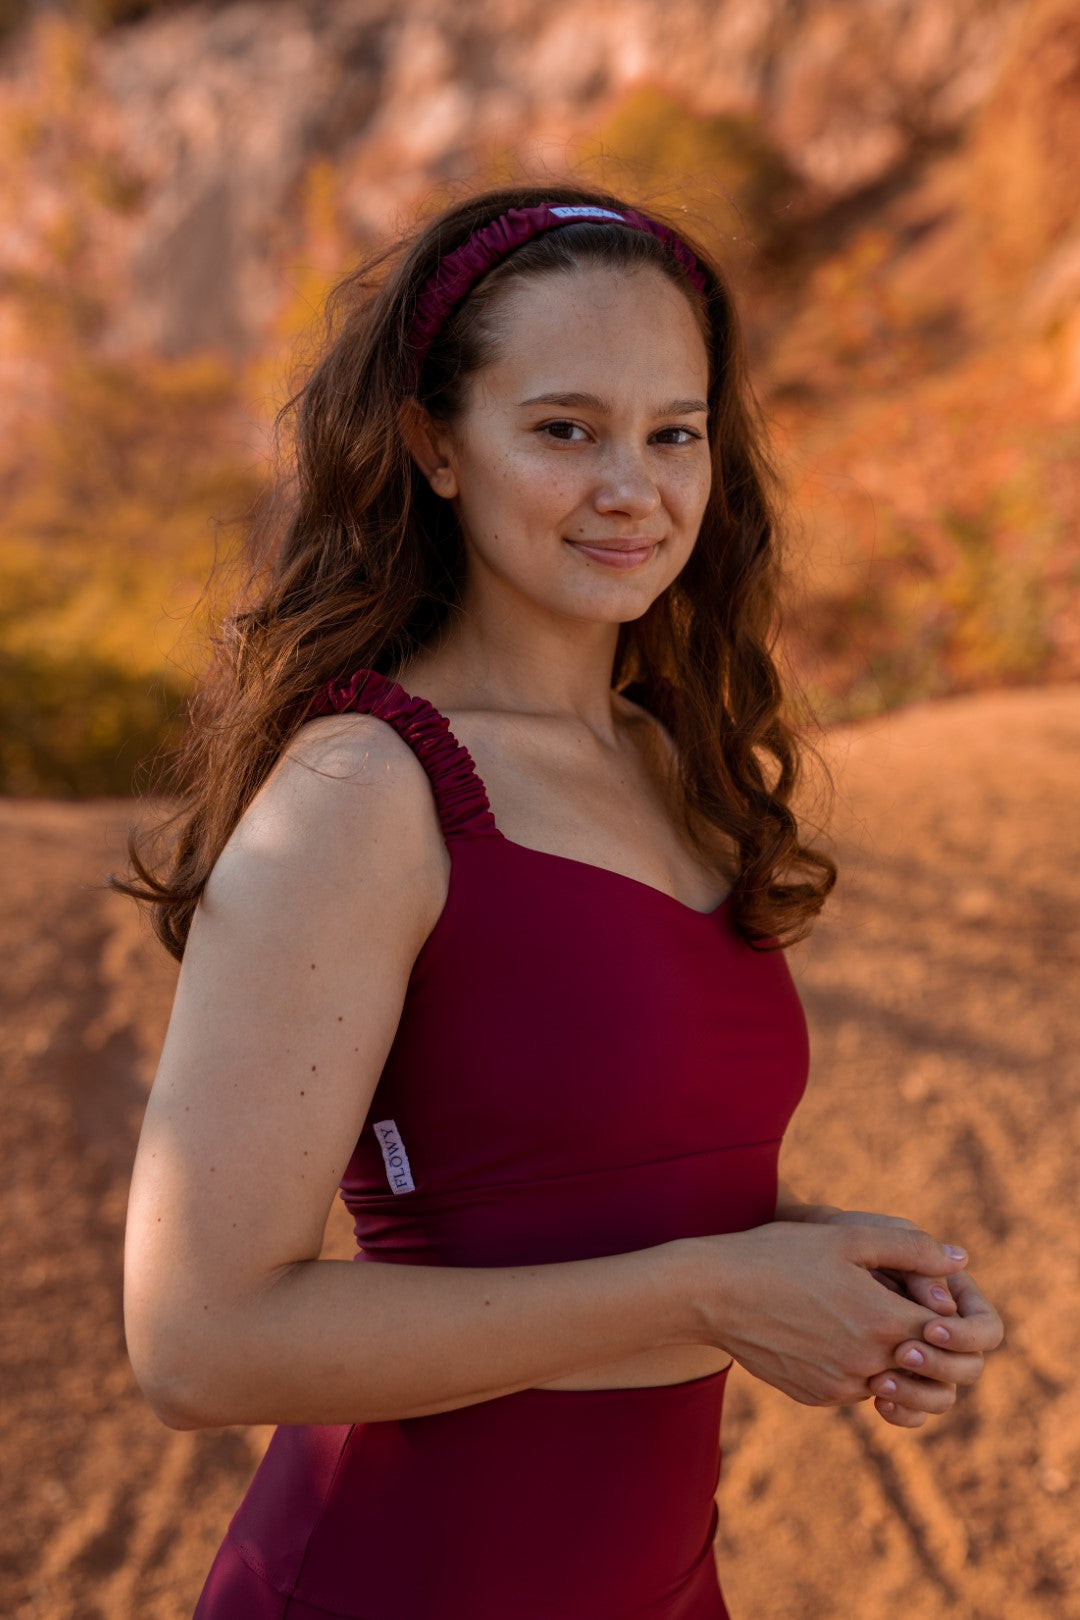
x,y
287,1004
286,1007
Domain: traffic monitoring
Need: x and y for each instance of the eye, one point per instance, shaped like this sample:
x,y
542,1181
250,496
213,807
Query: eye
x,y
691,434
550,427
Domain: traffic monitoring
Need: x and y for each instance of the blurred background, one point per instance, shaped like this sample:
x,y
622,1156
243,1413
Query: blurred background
x,y
894,190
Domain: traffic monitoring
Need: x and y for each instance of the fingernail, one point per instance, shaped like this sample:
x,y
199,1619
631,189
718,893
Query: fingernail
x,y
887,1406
940,1293
888,1385
938,1332
954,1252
913,1357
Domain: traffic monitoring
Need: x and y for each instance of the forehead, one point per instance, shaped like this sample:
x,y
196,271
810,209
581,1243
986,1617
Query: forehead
x,y
625,323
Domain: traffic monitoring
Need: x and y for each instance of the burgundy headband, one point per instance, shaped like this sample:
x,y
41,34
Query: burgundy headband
x,y
459,272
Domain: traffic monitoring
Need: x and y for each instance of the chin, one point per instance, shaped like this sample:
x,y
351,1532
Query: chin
x,y
611,607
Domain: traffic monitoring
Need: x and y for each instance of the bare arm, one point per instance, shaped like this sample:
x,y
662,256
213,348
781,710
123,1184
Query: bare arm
x,y
336,1342
287,1004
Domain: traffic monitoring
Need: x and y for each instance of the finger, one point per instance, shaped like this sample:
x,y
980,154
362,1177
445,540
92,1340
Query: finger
x,y
916,1394
947,1366
862,1217
976,1326
902,1417
973,1304
903,1249
889,1280
932,1292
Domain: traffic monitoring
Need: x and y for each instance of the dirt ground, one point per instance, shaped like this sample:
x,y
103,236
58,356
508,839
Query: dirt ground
x,y
941,988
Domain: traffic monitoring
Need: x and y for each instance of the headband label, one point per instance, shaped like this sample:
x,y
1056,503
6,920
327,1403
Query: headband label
x,y
587,213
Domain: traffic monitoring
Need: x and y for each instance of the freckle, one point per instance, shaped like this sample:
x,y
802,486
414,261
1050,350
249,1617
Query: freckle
x,y
313,1068
213,1167
159,1220
303,1093
339,1018
312,967
305,1153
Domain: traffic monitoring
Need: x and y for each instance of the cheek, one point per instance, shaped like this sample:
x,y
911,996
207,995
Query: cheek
x,y
510,476
532,496
510,505
688,490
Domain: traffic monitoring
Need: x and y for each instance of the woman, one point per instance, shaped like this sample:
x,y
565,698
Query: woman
x,y
480,897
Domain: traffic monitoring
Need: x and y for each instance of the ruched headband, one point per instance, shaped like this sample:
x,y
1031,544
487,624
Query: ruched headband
x,y
459,272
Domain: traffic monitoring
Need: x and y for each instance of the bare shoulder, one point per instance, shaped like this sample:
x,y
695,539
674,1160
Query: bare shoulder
x,y
346,813
355,762
343,774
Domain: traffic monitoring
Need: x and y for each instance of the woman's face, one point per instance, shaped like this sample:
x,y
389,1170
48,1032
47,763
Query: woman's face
x,y
584,437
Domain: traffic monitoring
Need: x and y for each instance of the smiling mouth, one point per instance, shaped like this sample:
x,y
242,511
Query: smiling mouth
x,y
617,553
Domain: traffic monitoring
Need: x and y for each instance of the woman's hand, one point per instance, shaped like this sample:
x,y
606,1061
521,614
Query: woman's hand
x,y
952,1353
797,1304
933,1292
927,1370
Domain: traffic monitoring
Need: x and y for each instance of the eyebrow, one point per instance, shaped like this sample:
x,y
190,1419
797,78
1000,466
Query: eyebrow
x,y
593,402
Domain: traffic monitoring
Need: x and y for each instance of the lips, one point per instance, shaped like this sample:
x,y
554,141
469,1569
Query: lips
x,y
617,553
641,543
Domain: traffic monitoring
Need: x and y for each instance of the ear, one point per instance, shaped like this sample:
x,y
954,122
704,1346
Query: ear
x,y
429,445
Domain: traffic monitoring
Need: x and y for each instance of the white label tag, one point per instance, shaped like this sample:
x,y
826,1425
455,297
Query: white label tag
x,y
582,212
396,1160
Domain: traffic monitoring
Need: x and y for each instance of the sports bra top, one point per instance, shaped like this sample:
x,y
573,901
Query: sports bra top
x,y
583,1065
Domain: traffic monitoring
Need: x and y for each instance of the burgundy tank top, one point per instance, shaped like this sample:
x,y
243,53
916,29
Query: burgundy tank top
x,y
583,1066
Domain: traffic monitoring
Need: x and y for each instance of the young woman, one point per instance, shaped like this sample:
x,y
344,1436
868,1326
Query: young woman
x,y
485,871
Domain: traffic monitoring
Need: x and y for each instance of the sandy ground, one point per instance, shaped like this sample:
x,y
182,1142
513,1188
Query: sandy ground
x,y
941,988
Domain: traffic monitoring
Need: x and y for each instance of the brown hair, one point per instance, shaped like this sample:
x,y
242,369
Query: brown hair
x,y
357,563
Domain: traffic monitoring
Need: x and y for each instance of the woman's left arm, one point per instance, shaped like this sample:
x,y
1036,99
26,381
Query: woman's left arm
x,y
927,1372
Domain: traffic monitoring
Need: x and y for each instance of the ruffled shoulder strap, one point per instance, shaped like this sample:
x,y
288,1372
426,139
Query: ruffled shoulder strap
x,y
460,795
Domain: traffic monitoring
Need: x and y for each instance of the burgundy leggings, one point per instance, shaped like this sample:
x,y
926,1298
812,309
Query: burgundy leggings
x,y
540,1505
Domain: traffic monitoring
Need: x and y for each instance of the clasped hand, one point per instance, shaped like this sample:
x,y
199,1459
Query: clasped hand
x,y
926,1373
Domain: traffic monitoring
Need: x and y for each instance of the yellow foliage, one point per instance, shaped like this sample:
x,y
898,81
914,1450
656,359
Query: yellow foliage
x,y
721,173
131,484
295,334
106,547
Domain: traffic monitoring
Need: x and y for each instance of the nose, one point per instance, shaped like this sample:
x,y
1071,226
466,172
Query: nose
x,y
626,485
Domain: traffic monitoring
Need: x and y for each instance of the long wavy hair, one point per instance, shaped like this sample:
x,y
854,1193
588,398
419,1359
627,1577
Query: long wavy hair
x,y
357,563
